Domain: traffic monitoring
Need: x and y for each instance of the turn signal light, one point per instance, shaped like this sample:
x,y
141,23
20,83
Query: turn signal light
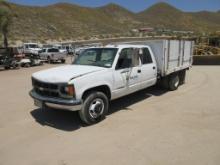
x,y
70,90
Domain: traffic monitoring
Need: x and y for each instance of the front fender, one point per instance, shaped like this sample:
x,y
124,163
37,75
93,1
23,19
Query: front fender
x,y
90,81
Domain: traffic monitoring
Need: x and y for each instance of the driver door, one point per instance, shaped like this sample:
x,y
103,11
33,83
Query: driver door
x,y
126,74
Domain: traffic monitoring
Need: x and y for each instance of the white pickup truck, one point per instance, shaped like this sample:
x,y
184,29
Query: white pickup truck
x,y
102,74
52,55
31,49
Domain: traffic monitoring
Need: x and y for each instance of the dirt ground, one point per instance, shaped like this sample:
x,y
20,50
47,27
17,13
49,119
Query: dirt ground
x,y
151,127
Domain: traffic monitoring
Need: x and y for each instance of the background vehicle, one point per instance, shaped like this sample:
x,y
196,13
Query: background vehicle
x,y
69,49
52,55
61,48
102,74
80,48
9,58
31,49
31,60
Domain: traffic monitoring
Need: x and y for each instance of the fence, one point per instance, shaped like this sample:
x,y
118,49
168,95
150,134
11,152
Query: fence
x,y
206,60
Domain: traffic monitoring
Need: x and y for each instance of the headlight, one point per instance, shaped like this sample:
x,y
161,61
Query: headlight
x,y
67,91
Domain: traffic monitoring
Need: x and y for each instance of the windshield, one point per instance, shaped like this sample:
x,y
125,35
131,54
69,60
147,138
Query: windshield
x,y
33,46
103,57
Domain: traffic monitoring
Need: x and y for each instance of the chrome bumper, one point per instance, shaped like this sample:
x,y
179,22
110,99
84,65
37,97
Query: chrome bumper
x,y
56,103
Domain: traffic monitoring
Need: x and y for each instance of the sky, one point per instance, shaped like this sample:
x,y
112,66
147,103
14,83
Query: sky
x,y
133,5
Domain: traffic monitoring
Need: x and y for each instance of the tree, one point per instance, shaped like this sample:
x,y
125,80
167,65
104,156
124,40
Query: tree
x,y
5,21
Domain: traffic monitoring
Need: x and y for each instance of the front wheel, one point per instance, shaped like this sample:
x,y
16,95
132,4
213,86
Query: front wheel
x,y
95,108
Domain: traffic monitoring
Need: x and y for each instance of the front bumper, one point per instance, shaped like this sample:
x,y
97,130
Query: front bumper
x,y
56,103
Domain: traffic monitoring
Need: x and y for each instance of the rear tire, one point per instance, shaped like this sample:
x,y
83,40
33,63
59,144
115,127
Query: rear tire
x,y
182,76
174,82
49,60
63,61
95,108
27,65
7,67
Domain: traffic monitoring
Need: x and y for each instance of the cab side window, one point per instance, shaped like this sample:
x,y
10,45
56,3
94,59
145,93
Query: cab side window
x,y
125,59
146,56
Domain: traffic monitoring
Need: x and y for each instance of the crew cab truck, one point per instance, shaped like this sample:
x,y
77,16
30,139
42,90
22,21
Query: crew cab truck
x,y
102,74
52,55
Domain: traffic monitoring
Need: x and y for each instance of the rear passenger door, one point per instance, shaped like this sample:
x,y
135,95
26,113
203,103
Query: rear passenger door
x,y
148,69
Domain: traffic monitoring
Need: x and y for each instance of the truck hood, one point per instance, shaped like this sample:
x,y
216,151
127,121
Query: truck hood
x,y
64,74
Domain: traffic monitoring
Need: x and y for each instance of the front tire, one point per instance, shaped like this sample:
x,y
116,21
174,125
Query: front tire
x,y
95,108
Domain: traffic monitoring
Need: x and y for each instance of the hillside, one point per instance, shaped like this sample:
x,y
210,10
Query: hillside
x,y
65,21
62,21
163,15
119,13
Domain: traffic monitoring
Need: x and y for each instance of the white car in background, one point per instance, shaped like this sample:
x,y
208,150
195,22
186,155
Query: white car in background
x,y
61,48
31,49
52,55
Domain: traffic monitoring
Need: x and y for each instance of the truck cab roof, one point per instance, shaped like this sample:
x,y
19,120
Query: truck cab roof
x,y
122,46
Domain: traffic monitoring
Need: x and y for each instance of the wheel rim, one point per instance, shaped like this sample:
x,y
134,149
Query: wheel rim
x,y
96,108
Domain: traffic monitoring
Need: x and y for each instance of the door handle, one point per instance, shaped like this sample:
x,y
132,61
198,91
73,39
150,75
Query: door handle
x,y
154,67
139,71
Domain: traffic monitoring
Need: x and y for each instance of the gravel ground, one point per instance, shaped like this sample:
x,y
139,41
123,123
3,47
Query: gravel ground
x,y
151,127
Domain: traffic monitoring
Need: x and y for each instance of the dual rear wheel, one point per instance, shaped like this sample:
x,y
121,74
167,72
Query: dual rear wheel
x,y
173,81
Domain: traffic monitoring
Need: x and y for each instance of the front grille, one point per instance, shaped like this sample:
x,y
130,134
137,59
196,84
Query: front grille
x,y
45,89
44,85
46,93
